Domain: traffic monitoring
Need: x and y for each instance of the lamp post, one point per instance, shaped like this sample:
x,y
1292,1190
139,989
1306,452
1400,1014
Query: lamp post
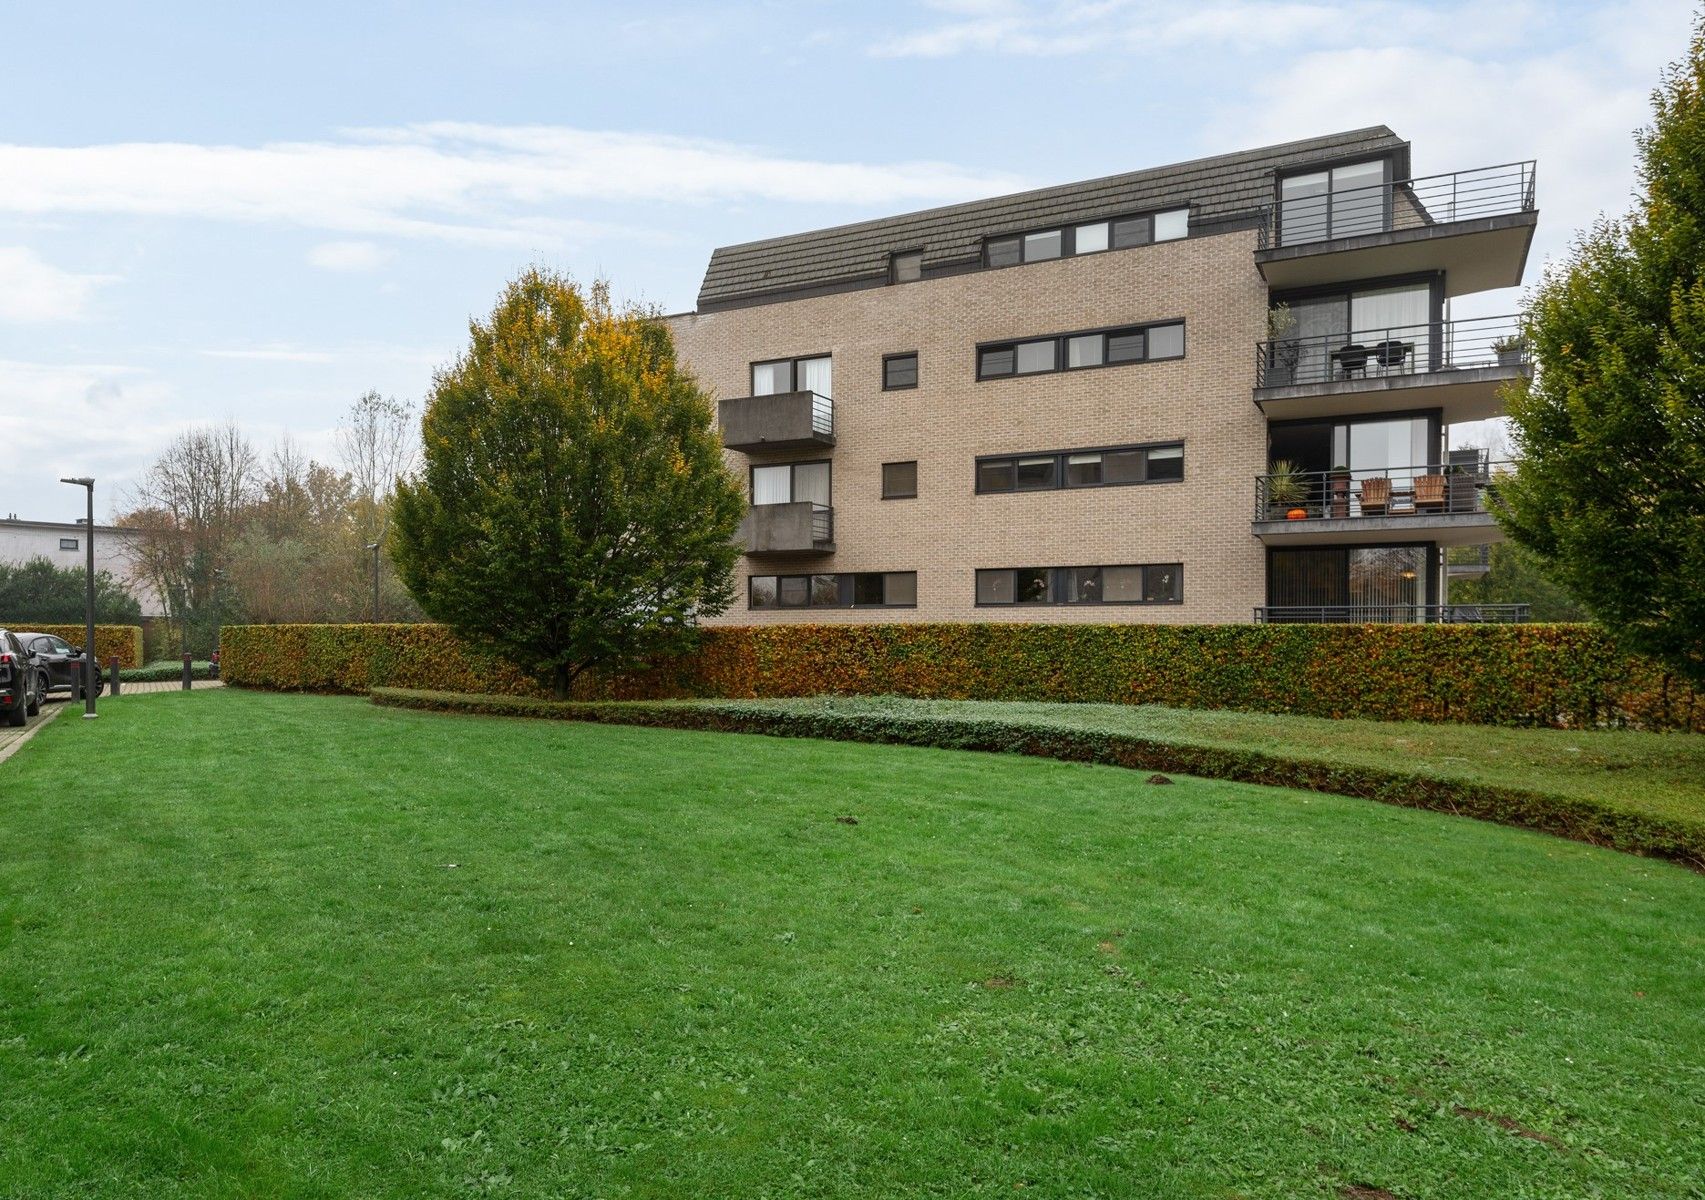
x,y
373,549
83,481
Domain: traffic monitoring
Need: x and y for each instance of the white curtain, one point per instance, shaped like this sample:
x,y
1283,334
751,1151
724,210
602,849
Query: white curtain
x,y
1401,314
771,485
815,375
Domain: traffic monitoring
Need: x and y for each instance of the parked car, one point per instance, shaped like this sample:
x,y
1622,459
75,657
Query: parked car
x,y
61,662
23,684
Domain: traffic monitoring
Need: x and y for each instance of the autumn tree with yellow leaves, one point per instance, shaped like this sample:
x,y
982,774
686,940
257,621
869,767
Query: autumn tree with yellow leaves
x,y
572,509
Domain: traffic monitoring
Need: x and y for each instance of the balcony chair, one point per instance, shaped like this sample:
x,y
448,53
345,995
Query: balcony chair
x,y
1351,360
1429,493
1392,356
1376,497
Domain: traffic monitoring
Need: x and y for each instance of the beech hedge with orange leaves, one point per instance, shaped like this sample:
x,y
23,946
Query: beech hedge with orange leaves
x,y
1570,676
123,642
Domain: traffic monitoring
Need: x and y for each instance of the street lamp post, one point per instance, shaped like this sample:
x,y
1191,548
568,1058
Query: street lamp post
x,y
373,549
83,481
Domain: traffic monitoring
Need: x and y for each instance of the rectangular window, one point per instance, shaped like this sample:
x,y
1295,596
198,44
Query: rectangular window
x,y
784,483
899,371
1172,225
1089,239
1077,351
1149,584
1082,468
1040,246
1004,252
996,361
1085,351
899,480
1132,231
1035,356
1035,474
776,376
865,589
908,267
67,543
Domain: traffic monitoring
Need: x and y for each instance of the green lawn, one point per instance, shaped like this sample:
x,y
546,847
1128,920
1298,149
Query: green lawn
x,y
1658,773
271,945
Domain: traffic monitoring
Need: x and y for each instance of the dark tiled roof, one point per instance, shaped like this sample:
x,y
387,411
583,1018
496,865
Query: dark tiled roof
x,y
1219,189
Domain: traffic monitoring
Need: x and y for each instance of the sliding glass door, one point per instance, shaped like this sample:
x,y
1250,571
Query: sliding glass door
x,y
1334,203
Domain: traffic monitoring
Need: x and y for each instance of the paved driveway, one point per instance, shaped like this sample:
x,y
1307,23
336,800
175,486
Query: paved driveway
x,y
11,739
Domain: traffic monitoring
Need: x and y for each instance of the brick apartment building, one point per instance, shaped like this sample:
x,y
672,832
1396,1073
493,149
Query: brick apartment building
x,y
1211,392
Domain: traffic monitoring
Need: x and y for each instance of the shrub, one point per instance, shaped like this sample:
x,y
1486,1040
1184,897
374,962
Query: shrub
x,y
165,671
1580,820
1570,676
123,642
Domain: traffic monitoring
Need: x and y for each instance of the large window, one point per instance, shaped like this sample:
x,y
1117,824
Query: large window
x,y
862,589
1092,237
814,374
1082,468
785,483
1364,583
1335,202
1078,351
899,372
1148,583
1358,333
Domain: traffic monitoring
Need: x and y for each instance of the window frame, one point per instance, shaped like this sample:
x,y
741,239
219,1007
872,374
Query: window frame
x,y
911,495
1061,461
845,589
792,371
1059,581
916,371
752,470
1068,235
70,543
894,266
1062,344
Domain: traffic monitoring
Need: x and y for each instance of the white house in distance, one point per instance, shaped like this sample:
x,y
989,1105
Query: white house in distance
x,y
63,545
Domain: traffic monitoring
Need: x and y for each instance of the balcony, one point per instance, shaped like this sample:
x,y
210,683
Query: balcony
x,y
1458,366
1446,505
1475,226
782,421
1392,614
797,527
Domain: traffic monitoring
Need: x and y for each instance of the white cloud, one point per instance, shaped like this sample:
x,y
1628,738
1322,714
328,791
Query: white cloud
x,y
348,256
274,353
32,289
452,180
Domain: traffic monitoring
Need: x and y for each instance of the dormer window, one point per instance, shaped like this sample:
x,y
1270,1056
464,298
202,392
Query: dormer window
x,y
1092,237
907,267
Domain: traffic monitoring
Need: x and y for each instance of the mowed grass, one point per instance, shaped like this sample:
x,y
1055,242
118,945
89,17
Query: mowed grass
x,y
264,945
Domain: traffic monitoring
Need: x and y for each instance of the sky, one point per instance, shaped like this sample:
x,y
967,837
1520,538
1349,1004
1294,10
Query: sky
x,y
258,212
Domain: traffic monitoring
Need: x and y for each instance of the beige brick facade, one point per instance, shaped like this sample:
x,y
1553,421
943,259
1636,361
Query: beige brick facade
x,y
949,531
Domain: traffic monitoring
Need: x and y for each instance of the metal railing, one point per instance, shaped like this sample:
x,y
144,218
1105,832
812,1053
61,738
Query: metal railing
x,y
1404,204
1392,614
1457,345
1426,490
822,415
822,523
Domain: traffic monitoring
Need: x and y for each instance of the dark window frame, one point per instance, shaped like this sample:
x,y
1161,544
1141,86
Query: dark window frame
x,y
792,486
1060,341
916,371
911,495
1068,236
792,370
845,589
894,266
1060,462
1389,182
70,544
1434,563
1057,587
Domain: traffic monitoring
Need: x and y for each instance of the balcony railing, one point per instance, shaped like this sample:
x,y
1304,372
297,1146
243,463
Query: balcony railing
x,y
1405,204
822,523
778,421
1420,491
1392,614
1365,354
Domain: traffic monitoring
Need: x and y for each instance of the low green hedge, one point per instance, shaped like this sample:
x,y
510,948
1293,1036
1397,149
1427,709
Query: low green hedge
x,y
1580,820
123,642
166,671
1567,676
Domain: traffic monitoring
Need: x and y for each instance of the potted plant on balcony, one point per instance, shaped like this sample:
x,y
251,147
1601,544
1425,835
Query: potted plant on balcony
x,y
1338,485
1511,350
1283,351
1286,491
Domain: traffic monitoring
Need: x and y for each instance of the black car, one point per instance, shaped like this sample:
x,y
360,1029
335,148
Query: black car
x,y
22,683
60,662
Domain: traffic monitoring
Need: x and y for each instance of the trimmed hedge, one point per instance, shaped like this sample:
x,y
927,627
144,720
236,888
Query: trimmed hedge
x,y
1579,820
1568,676
166,672
123,642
